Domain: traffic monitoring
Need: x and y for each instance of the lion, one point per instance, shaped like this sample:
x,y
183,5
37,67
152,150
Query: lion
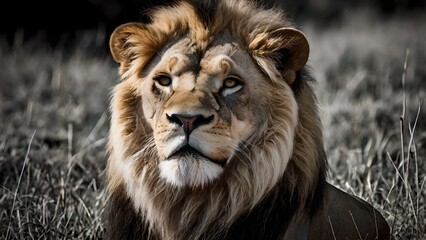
x,y
215,132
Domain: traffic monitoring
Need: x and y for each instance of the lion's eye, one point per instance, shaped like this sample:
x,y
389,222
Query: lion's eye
x,y
230,82
231,85
163,80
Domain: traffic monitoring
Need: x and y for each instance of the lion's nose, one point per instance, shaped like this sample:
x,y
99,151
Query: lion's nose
x,y
189,122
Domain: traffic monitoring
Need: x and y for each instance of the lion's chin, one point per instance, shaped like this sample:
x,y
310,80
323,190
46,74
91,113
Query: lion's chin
x,y
189,171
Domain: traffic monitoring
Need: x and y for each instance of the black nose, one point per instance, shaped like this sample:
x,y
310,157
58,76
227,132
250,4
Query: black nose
x,y
189,122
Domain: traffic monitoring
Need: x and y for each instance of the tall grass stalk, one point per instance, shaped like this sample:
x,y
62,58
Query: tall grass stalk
x,y
26,159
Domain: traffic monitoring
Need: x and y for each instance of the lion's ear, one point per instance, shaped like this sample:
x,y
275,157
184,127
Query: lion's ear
x,y
122,40
294,50
288,49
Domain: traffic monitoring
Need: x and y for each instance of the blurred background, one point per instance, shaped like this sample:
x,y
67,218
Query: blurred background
x,y
61,21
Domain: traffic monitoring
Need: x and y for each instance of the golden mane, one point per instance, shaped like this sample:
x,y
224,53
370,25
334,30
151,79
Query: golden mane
x,y
281,172
251,26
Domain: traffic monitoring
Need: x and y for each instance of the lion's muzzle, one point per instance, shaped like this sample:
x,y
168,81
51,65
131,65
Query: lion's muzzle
x,y
193,147
189,122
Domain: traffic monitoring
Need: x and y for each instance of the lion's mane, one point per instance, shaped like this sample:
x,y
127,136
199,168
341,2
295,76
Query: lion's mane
x,y
256,185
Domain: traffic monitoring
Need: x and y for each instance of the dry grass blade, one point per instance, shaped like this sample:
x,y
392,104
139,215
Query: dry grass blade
x,y
26,159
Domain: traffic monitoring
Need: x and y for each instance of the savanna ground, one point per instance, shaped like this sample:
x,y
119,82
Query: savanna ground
x,y
54,122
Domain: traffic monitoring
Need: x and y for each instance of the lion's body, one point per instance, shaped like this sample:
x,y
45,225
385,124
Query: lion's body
x,y
215,132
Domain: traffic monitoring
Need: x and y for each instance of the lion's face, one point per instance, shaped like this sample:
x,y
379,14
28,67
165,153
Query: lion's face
x,y
199,106
203,108
212,113
208,102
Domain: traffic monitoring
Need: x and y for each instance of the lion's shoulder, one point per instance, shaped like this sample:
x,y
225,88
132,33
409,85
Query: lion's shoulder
x,y
346,216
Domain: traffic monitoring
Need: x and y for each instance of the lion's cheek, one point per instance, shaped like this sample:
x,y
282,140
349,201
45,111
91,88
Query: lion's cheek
x,y
241,129
150,103
148,110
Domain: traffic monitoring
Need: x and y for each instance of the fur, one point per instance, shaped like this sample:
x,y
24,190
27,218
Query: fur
x,y
274,172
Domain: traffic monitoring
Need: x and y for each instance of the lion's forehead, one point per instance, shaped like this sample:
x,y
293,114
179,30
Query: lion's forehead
x,y
191,64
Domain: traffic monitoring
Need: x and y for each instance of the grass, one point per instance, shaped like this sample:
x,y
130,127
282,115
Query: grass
x,y
54,124
371,91
52,137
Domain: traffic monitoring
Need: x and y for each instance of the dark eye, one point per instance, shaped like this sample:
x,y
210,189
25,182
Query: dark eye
x,y
163,80
231,85
231,82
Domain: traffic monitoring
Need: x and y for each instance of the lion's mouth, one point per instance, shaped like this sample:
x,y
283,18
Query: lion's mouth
x,y
187,151
188,166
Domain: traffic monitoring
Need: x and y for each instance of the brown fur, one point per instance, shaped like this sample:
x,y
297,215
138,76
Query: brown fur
x,y
273,165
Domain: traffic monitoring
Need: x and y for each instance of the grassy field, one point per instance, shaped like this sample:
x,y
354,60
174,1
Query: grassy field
x,y
54,122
